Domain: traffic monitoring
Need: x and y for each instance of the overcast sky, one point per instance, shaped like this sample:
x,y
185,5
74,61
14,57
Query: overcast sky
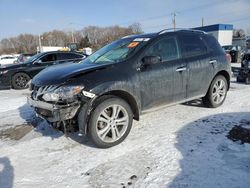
x,y
38,16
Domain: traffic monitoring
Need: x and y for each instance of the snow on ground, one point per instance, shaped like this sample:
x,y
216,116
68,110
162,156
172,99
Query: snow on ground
x,y
179,146
13,108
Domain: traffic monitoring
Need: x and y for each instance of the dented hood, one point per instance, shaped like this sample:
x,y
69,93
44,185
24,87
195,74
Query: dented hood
x,y
59,74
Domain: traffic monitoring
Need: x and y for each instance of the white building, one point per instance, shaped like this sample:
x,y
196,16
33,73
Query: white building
x,y
49,48
222,32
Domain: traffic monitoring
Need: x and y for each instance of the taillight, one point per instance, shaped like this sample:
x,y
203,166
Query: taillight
x,y
229,58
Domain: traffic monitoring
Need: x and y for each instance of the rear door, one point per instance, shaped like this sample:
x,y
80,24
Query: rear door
x,y
200,64
165,82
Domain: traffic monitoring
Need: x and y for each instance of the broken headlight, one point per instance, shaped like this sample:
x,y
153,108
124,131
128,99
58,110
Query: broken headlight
x,y
62,93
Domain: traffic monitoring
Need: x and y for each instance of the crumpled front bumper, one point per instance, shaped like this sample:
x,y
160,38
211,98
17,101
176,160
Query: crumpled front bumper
x,y
54,112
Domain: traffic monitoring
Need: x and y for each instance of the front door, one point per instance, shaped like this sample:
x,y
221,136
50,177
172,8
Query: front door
x,y
164,82
42,63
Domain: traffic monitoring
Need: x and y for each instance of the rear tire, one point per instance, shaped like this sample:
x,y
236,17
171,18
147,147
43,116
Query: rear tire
x,y
110,122
248,81
20,80
217,92
240,79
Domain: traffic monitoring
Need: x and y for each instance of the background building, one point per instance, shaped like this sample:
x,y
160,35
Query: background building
x,y
222,32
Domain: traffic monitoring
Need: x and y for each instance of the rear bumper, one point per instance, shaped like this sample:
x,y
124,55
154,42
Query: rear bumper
x,y
54,112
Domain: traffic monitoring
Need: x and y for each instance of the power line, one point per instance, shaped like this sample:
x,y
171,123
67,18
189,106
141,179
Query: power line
x,y
206,5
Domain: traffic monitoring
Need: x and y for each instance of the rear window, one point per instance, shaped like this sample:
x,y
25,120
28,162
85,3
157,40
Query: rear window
x,y
193,45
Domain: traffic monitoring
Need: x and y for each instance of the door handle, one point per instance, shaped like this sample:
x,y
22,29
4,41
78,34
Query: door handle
x,y
212,61
181,69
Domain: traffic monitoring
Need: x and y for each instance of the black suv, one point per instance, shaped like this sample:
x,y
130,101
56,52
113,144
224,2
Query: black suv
x,y
104,93
16,76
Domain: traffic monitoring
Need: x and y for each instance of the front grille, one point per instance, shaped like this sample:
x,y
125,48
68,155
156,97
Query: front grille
x,y
38,92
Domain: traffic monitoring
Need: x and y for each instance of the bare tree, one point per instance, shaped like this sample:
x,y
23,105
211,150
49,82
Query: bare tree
x,y
91,36
55,38
238,33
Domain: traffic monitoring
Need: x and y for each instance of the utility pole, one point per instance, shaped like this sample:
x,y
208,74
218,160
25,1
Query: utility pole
x,y
202,21
72,33
174,20
40,43
13,46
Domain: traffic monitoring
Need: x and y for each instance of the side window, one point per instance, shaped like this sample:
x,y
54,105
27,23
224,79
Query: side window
x,y
65,56
193,45
166,48
74,56
49,57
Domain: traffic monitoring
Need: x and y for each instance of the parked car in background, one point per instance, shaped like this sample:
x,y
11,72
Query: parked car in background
x,y
236,52
7,59
248,44
246,60
16,76
244,73
23,57
104,93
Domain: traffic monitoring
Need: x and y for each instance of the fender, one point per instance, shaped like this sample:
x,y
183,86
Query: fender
x,y
101,90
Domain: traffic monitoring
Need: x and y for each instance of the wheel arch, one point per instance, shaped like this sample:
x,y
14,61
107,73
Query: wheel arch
x,y
128,98
125,96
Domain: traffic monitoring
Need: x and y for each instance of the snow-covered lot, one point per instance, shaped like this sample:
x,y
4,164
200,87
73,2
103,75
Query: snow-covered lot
x,y
179,146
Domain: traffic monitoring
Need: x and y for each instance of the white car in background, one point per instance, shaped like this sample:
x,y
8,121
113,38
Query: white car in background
x,y
7,59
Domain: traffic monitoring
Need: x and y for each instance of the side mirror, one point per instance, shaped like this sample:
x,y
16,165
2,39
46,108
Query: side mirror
x,y
150,60
38,62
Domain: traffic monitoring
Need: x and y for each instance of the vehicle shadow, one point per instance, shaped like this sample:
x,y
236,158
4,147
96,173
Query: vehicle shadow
x,y
195,103
45,129
6,173
209,158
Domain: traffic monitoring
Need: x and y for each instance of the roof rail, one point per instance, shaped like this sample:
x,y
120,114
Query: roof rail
x,y
179,29
127,36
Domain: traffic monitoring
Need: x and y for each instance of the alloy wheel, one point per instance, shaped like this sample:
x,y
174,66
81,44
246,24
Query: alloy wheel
x,y
219,91
112,123
21,81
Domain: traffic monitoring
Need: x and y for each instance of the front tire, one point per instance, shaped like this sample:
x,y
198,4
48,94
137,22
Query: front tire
x,y
110,122
20,80
217,92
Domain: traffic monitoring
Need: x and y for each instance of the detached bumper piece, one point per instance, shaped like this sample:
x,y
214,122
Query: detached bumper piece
x,y
54,112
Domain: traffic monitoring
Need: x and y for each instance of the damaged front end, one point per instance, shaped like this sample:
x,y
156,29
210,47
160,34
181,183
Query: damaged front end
x,y
60,105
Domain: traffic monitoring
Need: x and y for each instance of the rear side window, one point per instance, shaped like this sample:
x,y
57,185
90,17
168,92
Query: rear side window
x,y
212,43
65,56
193,45
166,48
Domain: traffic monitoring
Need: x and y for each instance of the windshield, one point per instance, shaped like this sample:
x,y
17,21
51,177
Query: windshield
x,y
117,51
31,59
